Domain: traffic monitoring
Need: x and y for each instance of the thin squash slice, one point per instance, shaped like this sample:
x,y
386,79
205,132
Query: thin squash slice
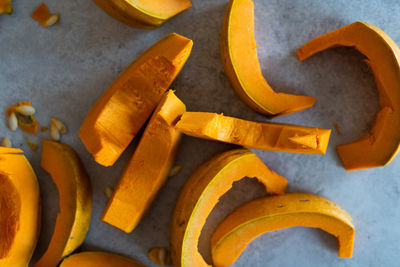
x,y
124,107
268,214
143,13
380,146
260,135
98,259
201,193
19,209
239,57
148,168
73,184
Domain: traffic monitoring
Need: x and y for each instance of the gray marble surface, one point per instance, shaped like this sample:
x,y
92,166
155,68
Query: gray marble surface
x,y
65,68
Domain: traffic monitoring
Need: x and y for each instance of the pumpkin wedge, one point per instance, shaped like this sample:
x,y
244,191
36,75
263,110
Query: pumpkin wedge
x,y
201,193
148,168
124,107
19,209
268,214
260,135
380,146
98,259
142,13
239,57
73,184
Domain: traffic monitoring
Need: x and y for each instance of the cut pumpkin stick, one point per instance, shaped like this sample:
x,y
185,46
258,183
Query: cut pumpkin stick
x,y
239,58
73,184
98,259
380,146
201,193
124,107
143,14
268,214
259,135
19,208
148,168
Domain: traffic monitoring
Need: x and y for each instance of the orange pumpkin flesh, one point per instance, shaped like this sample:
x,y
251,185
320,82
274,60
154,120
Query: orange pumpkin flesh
x,y
267,214
19,209
124,107
6,7
75,195
260,135
98,259
382,144
201,193
142,13
148,168
239,58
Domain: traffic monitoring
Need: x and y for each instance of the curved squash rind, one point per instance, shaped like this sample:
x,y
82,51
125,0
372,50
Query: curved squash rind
x,y
267,214
239,58
73,184
383,143
16,169
201,193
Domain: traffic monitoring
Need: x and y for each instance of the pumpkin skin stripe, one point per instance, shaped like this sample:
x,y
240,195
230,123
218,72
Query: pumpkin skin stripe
x,y
267,214
201,193
238,51
381,145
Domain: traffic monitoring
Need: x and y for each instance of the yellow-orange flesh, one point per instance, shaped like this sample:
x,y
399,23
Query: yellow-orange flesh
x,y
143,13
148,168
381,145
73,184
239,57
201,193
98,259
124,107
268,214
19,209
6,7
260,135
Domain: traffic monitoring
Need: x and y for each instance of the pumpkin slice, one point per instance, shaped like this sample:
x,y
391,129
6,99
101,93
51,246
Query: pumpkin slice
x,y
148,168
381,145
6,7
143,13
267,214
121,111
260,135
239,58
98,259
73,184
19,209
201,193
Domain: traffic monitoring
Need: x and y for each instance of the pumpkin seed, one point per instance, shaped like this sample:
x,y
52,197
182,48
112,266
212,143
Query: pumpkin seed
x,y
60,126
13,122
175,170
25,110
160,256
6,142
51,21
54,133
109,191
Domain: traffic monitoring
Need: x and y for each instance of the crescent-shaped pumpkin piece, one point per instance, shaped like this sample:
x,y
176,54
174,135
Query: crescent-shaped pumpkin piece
x,y
268,214
19,209
143,13
73,184
201,193
98,259
382,144
239,57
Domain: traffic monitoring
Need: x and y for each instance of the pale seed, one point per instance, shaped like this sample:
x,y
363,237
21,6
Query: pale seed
x,y
25,110
51,21
54,133
13,122
60,126
109,191
160,256
6,142
175,170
